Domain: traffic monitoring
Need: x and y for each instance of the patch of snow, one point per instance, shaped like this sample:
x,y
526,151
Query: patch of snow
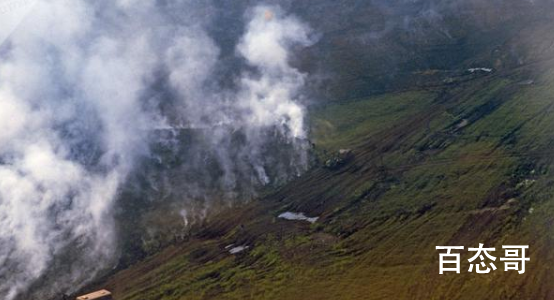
x,y
238,249
473,70
297,217
345,151
462,124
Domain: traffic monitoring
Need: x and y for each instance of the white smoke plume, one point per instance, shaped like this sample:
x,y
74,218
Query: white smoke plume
x,y
265,99
270,96
77,112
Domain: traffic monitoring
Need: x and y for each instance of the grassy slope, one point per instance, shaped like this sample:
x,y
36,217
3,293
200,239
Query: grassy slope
x,y
458,164
430,168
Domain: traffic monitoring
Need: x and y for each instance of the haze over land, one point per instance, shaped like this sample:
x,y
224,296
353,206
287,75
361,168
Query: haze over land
x,y
87,89
191,149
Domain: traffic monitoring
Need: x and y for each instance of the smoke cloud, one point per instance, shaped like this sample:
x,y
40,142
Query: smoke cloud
x,y
87,89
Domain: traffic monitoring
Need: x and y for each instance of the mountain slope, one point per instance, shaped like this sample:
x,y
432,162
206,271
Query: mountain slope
x,y
461,164
448,157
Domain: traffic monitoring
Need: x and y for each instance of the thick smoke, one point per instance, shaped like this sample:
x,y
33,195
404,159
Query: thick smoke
x,y
255,128
85,87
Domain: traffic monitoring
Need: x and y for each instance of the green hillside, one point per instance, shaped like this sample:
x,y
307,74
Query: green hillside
x,y
446,158
454,165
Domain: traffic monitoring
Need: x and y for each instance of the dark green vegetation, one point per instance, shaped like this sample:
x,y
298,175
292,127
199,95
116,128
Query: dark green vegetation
x,y
450,158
